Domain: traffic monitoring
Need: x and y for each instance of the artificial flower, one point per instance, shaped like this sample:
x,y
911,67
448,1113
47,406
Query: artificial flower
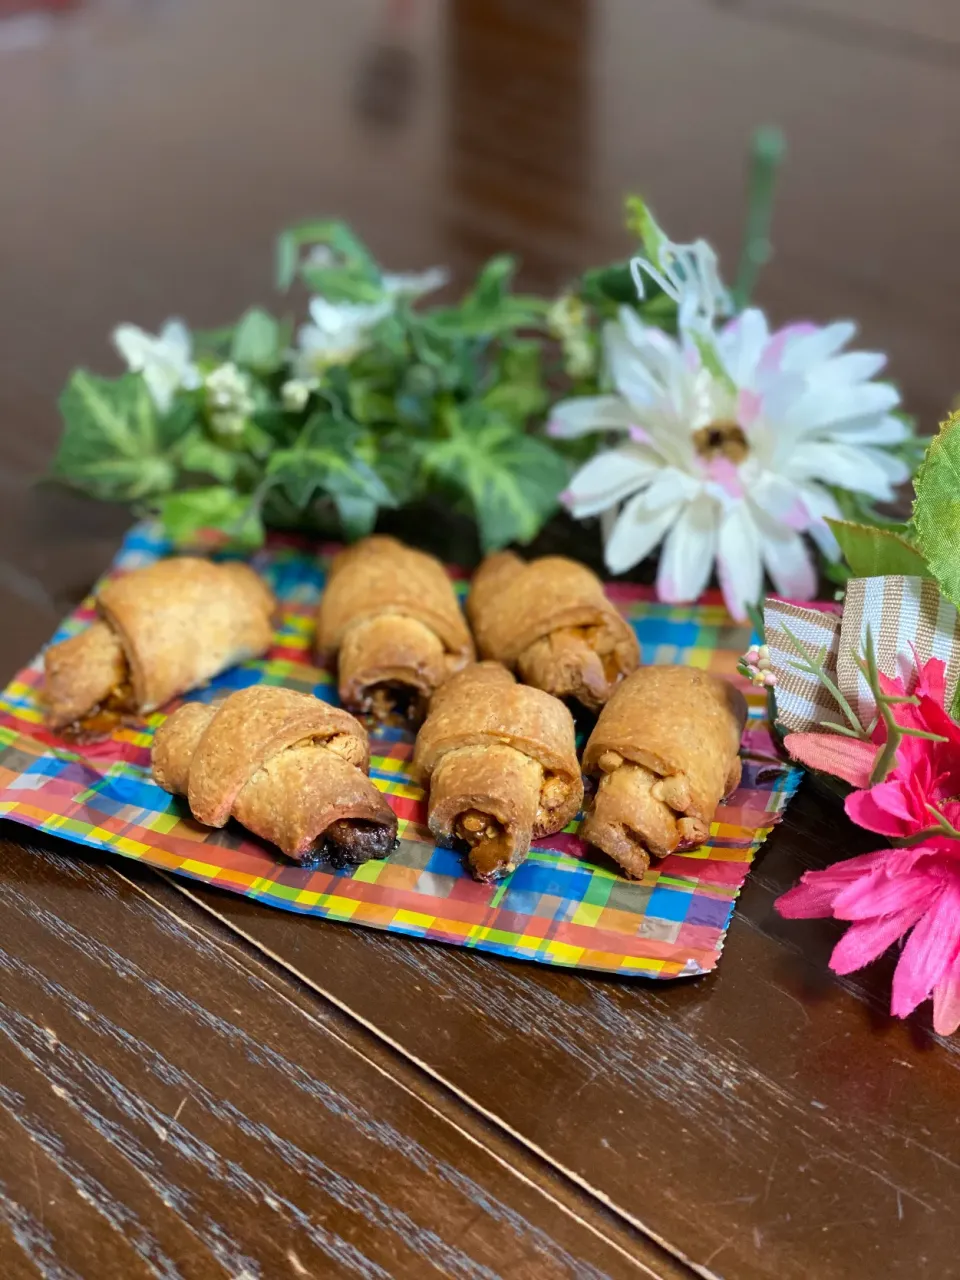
x,y
910,890
339,332
757,666
568,322
729,443
296,392
163,359
690,275
229,399
413,284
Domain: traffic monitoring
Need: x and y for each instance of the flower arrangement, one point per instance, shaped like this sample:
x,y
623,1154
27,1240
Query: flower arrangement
x,y
884,721
647,395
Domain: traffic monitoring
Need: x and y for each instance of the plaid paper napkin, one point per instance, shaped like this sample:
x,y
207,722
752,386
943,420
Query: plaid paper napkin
x,y
558,908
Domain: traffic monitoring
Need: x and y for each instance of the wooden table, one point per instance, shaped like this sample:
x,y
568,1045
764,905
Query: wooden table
x,y
194,1086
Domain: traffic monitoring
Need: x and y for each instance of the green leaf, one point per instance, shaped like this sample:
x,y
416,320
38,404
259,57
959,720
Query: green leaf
x,y
204,457
872,552
256,342
641,222
358,515
511,480
342,284
936,511
113,445
609,284
518,392
325,458
212,344
335,235
214,517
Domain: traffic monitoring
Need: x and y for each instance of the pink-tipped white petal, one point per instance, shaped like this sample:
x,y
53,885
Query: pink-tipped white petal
x,y
608,478
739,565
639,528
689,549
583,414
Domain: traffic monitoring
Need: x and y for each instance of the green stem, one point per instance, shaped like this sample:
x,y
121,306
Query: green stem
x,y
766,155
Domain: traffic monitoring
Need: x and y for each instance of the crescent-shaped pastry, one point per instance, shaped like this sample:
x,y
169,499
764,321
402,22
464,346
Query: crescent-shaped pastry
x,y
500,761
290,768
162,630
666,751
550,621
391,617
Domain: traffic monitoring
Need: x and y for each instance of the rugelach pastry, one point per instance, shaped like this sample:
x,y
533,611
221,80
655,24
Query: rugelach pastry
x,y
162,630
666,751
500,761
290,768
550,621
390,616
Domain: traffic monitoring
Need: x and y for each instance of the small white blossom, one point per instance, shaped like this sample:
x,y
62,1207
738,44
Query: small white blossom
x,y
295,393
567,322
339,332
689,274
230,399
163,359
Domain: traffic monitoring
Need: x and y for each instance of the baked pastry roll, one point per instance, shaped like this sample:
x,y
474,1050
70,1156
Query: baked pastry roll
x,y
500,761
666,751
550,621
162,630
290,768
390,616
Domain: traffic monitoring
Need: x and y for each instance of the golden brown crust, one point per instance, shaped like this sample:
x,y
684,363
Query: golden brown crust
x,y
290,768
493,749
81,673
184,620
165,629
391,616
550,620
666,747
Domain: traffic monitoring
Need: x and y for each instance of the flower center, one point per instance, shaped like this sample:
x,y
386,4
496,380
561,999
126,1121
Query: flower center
x,y
721,440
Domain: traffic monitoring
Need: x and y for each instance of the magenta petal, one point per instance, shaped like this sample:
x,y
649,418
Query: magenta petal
x,y
864,809
881,894
926,957
867,939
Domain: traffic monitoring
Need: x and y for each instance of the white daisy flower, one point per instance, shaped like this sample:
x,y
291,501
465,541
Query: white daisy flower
x,y
164,359
728,445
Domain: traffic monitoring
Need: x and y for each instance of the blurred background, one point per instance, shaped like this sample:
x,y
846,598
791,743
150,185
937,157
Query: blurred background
x,y
151,149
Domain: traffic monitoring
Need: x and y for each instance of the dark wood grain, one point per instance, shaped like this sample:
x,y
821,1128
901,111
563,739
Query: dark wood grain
x,y
149,159
769,1120
168,1108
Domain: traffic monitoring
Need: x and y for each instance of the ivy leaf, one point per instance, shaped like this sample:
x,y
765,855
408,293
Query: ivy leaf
x,y
358,515
204,457
256,342
212,518
873,553
114,445
936,511
489,309
325,458
342,284
213,344
511,480
518,391
328,232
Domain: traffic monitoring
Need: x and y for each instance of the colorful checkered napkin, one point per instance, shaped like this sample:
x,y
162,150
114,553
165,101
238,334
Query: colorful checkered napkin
x,y
557,908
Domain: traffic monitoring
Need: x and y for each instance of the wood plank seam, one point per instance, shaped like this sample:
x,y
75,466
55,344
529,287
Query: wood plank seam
x,y
465,1098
